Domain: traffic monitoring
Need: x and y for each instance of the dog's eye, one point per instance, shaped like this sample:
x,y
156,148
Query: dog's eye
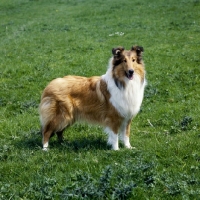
x,y
125,60
133,60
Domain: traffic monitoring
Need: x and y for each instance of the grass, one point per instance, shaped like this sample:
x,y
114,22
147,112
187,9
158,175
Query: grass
x,y
42,40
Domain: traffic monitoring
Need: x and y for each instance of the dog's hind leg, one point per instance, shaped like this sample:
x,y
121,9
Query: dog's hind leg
x,y
46,133
60,136
55,116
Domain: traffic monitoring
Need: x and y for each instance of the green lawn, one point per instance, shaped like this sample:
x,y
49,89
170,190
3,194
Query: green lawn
x,y
41,40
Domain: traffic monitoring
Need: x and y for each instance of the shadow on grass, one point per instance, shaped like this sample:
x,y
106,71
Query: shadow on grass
x,y
82,143
33,140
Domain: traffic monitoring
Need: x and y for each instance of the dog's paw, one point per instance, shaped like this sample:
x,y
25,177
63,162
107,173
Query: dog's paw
x,y
115,148
45,149
129,147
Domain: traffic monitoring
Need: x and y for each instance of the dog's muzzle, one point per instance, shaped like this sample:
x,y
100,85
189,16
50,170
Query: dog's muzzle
x,y
130,74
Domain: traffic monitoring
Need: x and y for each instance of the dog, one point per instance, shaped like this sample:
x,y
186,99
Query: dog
x,y
110,100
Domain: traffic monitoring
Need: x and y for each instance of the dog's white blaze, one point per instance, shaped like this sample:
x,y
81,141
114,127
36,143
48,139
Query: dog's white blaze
x,y
126,100
112,139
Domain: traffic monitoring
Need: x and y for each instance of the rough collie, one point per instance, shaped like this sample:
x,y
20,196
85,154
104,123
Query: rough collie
x,y
111,100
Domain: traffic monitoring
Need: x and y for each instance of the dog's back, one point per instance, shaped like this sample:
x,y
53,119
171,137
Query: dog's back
x,y
66,99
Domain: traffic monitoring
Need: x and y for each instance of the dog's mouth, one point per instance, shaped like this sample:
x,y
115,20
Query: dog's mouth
x,y
130,74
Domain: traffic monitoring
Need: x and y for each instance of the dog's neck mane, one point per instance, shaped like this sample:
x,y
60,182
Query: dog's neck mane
x,y
126,98
119,84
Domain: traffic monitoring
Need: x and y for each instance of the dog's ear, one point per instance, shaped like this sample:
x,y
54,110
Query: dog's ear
x,y
139,50
117,52
117,55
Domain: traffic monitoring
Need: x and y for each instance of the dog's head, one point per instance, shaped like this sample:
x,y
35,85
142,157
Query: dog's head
x,y
126,62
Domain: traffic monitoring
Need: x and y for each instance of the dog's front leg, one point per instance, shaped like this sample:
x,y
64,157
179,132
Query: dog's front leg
x,y
125,134
112,139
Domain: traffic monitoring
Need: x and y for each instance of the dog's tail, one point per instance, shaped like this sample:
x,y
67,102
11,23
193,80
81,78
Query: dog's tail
x,y
46,111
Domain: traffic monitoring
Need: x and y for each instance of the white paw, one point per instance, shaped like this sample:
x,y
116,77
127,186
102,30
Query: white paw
x,y
45,149
129,147
115,148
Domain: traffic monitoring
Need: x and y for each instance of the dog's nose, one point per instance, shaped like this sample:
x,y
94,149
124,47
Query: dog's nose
x,y
130,71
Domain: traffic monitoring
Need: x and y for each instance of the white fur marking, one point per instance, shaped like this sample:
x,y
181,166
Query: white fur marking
x,y
112,139
45,146
127,142
123,137
117,51
127,101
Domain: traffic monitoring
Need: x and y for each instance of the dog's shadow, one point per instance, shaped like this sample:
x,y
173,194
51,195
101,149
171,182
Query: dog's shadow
x,y
33,141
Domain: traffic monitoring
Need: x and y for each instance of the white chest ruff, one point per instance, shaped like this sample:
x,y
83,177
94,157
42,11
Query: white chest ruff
x,y
128,100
